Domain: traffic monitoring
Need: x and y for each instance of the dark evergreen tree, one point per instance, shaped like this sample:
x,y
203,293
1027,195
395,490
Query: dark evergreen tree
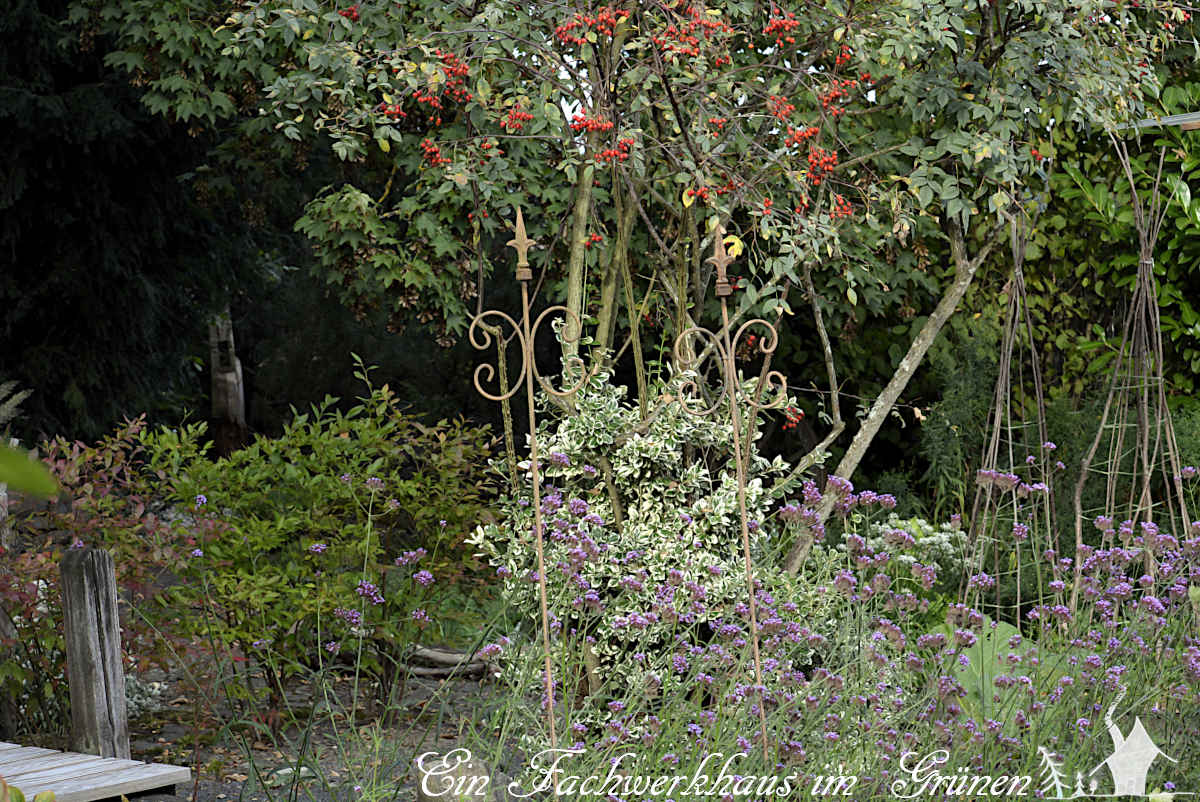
x,y
109,264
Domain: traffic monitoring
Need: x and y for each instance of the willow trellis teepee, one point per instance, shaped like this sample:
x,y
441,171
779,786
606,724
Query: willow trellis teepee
x,y
1013,499
1134,449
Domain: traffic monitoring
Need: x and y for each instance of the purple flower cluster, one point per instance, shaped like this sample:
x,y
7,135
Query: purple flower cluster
x,y
411,557
369,591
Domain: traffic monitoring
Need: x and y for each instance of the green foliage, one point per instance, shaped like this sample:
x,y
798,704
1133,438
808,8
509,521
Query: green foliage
x,y
952,436
478,108
19,472
1084,258
31,640
10,401
1186,417
106,504
285,531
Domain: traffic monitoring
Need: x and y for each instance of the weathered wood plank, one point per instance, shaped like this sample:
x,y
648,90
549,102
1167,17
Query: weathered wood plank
x,y
19,764
82,778
24,753
93,634
75,773
69,763
125,781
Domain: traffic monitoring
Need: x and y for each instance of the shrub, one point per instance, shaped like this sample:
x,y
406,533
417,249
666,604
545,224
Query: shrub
x,y
107,502
300,546
643,551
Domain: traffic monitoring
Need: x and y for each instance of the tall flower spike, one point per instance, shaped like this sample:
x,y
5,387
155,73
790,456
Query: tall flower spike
x,y
521,244
721,259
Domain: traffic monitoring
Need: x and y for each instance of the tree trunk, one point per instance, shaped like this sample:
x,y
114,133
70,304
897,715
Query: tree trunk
x,y
228,393
606,319
577,259
964,273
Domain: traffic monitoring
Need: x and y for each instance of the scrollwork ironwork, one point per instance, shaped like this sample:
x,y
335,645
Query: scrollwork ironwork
x,y
482,335
771,379
690,389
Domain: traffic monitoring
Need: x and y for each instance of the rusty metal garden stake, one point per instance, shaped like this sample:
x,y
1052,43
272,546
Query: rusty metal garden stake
x,y
725,347
481,334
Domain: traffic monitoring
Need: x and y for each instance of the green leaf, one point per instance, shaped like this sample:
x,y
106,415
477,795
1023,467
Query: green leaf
x,y
20,472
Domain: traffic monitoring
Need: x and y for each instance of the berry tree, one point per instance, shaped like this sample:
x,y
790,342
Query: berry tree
x,y
820,136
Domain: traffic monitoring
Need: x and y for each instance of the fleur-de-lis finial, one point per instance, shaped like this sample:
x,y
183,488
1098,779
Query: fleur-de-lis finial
x,y
721,259
521,244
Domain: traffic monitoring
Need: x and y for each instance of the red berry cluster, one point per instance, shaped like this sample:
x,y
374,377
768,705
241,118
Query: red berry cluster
x,y
471,215
704,193
392,111
745,350
779,106
433,154
684,39
793,416
1035,154
619,153
604,24
820,163
802,208
516,119
350,13
781,26
841,208
766,206
843,57
582,122
456,71
838,91
593,239
727,187
486,147
719,124
797,135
